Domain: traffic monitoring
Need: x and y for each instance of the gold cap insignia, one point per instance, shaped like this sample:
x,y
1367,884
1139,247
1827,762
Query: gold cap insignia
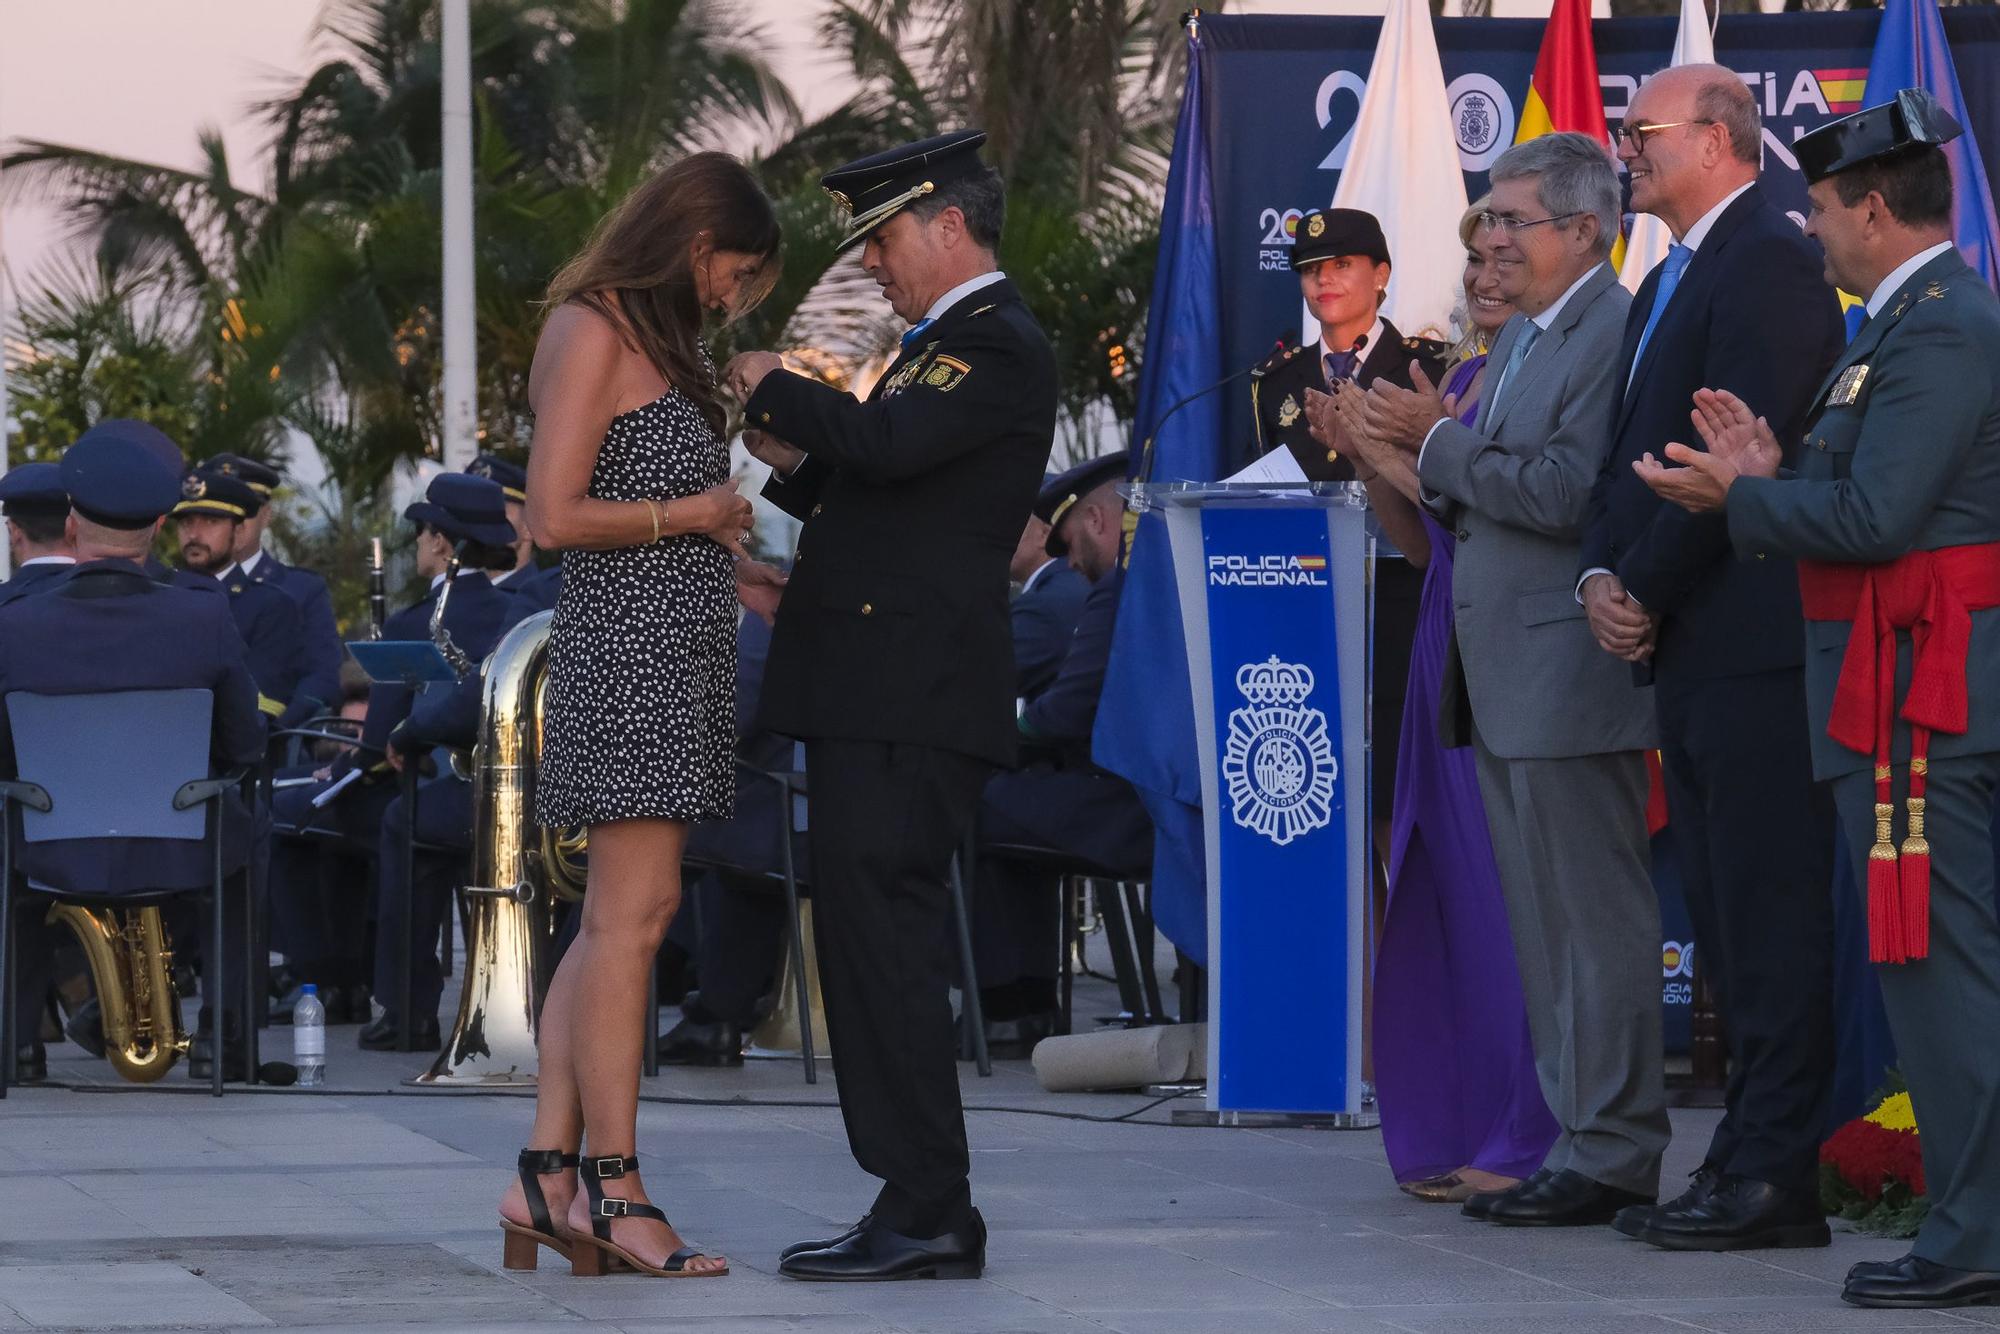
x,y
842,200
1316,226
193,487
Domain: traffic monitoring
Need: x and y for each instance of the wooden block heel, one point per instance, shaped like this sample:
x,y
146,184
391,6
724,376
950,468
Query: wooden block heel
x,y
520,1245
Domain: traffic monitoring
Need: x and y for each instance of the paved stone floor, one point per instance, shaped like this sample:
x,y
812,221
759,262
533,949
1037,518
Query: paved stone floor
x,y
367,1206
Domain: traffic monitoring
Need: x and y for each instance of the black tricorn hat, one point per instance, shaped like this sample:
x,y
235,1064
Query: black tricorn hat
x,y
873,188
1326,232
1912,120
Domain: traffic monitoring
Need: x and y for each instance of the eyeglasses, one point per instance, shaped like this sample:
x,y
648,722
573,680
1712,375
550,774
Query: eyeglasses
x,y
1503,222
1635,135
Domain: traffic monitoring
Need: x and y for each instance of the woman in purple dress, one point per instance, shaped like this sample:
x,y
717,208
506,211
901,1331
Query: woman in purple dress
x,y
1462,1110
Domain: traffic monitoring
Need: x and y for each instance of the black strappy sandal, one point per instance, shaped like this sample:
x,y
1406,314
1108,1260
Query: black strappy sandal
x,y
597,1254
524,1243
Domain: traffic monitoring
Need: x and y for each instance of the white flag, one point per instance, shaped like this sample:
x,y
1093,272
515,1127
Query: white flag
x,y
1402,166
1647,246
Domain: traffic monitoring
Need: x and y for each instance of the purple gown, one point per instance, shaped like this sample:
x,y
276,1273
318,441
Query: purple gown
x,y
1454,1070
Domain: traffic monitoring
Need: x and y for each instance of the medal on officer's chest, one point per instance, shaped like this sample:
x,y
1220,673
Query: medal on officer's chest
x,y
914,367
1288,411
1846,391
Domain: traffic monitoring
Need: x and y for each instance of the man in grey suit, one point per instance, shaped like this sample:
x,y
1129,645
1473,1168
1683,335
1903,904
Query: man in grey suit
x,y
1559,728
1893,515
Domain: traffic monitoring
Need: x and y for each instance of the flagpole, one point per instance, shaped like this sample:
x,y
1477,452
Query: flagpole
x,y
459,438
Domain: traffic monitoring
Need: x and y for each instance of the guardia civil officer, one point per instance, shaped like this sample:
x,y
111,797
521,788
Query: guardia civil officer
x,y
104,625
37,512
212,508
891,660
1893,516
324,649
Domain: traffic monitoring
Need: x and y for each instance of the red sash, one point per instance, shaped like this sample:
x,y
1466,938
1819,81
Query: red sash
x,y
1931,594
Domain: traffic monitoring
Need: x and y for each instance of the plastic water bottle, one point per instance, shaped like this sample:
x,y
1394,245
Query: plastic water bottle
x,y
309,1038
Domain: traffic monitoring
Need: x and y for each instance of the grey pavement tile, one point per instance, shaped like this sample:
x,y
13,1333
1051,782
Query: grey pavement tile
x,y
118,1295
1503,1318
1783,1315
1301,1320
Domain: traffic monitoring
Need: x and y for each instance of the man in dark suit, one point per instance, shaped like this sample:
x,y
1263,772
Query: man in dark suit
x,y
213,507
104,625
898,673
37,511
1737,304
324,650
1893,516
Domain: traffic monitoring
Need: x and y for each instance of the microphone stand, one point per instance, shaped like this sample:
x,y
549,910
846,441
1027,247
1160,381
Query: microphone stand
x,y
1279,356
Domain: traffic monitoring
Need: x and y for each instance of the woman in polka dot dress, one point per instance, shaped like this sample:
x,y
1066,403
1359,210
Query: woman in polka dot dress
x,y
629,477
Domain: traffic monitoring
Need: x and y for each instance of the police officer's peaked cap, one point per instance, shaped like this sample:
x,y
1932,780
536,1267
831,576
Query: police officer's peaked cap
x,y
1325,232
34,489
260,477
465,509
872,189
225,495
115,479
1912,120
513,478
1059,496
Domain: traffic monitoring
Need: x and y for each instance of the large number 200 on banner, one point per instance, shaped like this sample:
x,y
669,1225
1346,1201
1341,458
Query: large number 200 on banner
x,y
1281,936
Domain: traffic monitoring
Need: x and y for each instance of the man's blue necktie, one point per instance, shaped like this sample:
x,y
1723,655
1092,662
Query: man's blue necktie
x,y
1671,270
916,332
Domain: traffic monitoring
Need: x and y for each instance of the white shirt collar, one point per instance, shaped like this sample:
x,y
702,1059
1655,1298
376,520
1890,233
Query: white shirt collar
x,y
1900,275
1028,584
960,292
47,560
438,579
1374,337
1706,222
249,564
1546,320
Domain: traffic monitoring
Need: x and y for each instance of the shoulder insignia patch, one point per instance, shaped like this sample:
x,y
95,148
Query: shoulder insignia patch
x,y
1932,293
1288,411
946,374
1847,388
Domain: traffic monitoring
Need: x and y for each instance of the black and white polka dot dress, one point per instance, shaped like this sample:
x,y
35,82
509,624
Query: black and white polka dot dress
x,y
640,716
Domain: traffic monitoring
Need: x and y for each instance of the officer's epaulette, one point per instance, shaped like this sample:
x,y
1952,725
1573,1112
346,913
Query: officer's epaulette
x,y
1434,346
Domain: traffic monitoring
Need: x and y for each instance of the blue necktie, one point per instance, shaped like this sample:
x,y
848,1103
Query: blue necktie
x,y
1517,354
916,332
1671,270
1339,366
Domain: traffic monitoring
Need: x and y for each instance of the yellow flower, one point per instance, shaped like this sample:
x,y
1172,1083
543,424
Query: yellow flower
x,y
1895,1113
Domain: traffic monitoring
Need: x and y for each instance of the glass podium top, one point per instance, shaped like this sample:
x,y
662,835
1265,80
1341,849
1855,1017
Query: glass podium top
x,y
1145,496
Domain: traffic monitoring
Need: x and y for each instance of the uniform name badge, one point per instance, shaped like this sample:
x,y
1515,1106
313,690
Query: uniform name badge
x,y
1846,391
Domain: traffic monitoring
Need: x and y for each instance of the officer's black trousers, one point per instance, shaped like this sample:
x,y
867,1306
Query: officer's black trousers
x,y
886,819
1755,839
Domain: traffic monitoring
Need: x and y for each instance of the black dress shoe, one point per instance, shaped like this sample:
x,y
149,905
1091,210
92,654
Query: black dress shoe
x,y
383,1035
1478,1206
1738,1215
702,1042
1916,1282
1015,1039
874,1254
800,1247
1567,1199
1633,1220
31,1063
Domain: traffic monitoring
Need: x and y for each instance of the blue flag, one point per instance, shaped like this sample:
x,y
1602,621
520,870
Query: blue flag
x,y
1910,52
1145,720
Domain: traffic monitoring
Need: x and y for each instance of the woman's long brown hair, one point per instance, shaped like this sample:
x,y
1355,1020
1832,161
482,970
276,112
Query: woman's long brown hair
x,y
637,269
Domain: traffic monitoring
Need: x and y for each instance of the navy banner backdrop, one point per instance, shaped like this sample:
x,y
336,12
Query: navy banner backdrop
x,y
1282,94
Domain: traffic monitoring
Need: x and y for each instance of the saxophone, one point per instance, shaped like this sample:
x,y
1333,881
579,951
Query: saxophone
x,y
131,960
519,870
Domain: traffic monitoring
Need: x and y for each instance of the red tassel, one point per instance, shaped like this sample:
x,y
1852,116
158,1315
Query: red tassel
x,y
1885,921
1916,895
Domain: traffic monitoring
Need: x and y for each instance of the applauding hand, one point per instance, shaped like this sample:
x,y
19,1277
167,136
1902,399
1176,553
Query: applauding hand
x,y
1740,444
1403,417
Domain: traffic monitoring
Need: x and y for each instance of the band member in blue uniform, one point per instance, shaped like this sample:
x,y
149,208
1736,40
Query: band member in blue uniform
x,y
513,480
37,511
212,507
104,625
898,673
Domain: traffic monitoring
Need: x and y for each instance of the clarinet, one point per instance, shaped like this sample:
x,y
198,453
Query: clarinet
x,y
378,590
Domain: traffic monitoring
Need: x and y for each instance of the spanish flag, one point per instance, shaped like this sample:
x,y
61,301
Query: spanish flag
x,y
1564,94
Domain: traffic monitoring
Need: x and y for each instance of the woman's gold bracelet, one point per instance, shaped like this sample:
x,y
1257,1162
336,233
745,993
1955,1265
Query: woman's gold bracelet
x,y
654,511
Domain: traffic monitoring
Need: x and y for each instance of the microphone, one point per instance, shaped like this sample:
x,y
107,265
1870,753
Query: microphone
x,y
1280,353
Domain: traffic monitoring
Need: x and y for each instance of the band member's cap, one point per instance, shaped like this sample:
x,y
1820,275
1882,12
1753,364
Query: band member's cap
x,y
209,491
34,489
115,479
260,477
1059,496
872,189
513,478
465,509
1912,120
1326,232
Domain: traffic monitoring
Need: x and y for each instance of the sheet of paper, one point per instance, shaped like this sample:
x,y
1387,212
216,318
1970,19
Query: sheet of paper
x,y
1277,468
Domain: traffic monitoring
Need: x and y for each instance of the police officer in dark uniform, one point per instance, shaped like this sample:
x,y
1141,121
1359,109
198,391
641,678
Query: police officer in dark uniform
x,y
1893,515
513,480
104,625
891,660
212,507
37,511
324,649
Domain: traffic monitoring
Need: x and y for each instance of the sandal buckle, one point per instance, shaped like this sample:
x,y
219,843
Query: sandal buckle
x,y
613,1208
607,1168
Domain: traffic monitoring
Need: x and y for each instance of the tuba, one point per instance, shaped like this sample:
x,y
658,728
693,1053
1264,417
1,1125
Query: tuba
x,y
519,870
132,962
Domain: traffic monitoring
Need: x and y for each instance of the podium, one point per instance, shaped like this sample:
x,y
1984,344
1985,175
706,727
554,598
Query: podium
x,y
1275,588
